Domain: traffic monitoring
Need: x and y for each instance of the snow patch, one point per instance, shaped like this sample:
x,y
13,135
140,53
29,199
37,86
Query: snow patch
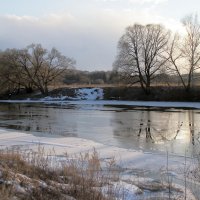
x,y
80,94
122,190
89,94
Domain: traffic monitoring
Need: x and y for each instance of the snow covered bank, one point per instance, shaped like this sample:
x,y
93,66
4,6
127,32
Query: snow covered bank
x,y
89,93
80,94
95,96
71,145
134,166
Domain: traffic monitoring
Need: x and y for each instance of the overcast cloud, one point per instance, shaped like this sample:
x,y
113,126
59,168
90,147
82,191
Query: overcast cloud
x,y
87,30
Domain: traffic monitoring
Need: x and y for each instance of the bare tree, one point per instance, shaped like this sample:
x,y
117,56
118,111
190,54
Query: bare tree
x,y
185,52
36,66
45,66
12,73
141,54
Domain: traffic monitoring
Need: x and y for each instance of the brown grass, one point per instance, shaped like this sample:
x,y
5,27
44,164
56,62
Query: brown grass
x,y
30,175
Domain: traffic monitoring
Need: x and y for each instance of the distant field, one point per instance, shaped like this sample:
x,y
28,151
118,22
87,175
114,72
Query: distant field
x,y
86,85
109,85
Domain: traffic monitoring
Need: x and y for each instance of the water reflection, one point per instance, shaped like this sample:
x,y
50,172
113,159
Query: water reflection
x,y
155,130
37,118
149,129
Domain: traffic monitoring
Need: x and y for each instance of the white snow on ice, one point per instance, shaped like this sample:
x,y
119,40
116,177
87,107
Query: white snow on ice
x,y
111,102
125,157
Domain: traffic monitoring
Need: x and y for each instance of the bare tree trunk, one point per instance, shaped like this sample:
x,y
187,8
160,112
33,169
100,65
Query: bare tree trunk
x,y
46,89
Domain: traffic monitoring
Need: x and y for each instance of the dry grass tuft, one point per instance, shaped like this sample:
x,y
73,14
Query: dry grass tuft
x,y
31,175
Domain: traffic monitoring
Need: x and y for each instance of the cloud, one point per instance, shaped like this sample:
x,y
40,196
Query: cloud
x,y
90,38
20,18
137,1
148,1
107,0
46,19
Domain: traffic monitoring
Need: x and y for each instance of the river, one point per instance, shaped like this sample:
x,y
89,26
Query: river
x,y
147,129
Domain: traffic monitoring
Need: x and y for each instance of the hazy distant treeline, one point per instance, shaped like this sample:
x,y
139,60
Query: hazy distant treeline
x,y
95,77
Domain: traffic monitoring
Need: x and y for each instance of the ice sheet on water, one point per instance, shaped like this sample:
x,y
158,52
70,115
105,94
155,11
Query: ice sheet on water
x,y
78,101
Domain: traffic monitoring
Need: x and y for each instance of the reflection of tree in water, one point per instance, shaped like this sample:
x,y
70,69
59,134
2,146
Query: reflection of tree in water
x,y
191,125
155,126
147,128
193,129
135,124
35,118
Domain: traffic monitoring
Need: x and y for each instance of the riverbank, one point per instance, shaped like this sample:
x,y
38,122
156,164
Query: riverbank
x,y
141,175
133,93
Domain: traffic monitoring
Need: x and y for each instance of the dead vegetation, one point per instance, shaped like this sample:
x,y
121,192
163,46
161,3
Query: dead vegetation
x,y
29,175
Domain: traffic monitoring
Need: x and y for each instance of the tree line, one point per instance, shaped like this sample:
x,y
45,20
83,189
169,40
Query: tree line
x,y
94,77
146,51
36,68
33,67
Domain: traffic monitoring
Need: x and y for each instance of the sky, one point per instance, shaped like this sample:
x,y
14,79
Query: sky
x,y
86,30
